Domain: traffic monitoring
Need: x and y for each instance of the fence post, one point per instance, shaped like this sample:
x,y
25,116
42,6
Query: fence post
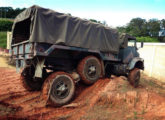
x,y
9,37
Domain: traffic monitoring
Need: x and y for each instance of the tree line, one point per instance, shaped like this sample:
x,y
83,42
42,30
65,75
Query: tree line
x,y
143,30
9,12
7,15
139,27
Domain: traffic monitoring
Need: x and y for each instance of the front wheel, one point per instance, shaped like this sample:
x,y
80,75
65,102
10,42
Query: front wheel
x,y
134,77
58,88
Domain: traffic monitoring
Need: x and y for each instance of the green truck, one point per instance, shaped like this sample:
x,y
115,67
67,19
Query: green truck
x,y
54,51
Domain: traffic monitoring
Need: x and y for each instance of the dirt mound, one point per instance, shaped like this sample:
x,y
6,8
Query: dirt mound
x,y
106,99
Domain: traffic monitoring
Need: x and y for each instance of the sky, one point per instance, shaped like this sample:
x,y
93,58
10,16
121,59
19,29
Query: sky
x,y
114,12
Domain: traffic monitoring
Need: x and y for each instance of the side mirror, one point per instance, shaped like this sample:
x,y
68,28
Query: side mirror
x,y
142,44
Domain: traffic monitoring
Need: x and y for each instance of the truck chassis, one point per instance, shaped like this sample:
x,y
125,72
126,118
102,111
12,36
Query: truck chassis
x,y
57,68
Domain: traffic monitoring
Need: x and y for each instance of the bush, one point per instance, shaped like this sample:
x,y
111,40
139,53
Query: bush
x,y
3,39
5,25
147,39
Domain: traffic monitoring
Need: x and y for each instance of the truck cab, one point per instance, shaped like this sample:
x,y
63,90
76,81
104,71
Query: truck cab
x,y
130,51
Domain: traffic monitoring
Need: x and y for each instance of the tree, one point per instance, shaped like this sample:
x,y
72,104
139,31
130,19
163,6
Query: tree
x,y
5,25
137,27
122,29
69,14
93,20
163,23
104,23
9,12
153,27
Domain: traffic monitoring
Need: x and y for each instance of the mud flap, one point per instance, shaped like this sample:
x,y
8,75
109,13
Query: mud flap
x,y
39,68
103,69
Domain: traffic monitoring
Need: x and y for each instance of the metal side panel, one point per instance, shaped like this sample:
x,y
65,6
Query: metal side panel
x,y
23,50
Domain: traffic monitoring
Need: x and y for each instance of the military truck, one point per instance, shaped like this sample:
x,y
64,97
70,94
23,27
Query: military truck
x,y
54,51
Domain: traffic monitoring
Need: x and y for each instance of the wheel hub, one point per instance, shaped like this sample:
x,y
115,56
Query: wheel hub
x,y
92,69
61,90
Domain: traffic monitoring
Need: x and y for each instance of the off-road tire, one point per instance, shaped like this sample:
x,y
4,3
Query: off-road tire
x,y
27,80
134,77
83,68
49,90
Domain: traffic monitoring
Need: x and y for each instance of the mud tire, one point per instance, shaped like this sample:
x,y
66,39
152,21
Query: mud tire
x,y
83,69
134,77
51,87
27,80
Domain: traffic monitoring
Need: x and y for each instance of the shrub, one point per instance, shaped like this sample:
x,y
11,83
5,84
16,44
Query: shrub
x,y
147,39
3,39
5,25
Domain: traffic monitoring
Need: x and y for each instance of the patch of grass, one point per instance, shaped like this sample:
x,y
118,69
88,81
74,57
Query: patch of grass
x,y
129,119
4,110
7,19
135,116
143,111
65,117
125,87
5,25
147,39
149,81
97,112
152,84
3,39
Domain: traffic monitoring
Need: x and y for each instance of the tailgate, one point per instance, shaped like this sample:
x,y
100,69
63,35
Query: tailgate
x,y
23,50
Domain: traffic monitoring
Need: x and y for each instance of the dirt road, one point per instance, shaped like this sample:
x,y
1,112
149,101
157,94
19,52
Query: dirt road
x,y
107,99
3,63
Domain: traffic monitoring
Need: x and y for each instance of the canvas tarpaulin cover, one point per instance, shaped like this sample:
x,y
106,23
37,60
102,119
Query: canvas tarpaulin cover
x,y
48,26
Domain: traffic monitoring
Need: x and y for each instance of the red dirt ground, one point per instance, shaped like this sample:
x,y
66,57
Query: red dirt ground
x,y
107,99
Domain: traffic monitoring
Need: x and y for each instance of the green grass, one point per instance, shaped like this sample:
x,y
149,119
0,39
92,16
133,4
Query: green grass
x,y
8,19
3,39
147,39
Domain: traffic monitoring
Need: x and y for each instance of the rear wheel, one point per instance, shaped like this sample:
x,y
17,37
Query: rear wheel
x,y
59,88
29,82
134,77
89,69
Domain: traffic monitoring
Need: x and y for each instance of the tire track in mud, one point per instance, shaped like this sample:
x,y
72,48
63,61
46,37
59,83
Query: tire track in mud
x,y
31,103
19,103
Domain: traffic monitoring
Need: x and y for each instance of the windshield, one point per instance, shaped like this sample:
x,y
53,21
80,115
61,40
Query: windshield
x,y
132,43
